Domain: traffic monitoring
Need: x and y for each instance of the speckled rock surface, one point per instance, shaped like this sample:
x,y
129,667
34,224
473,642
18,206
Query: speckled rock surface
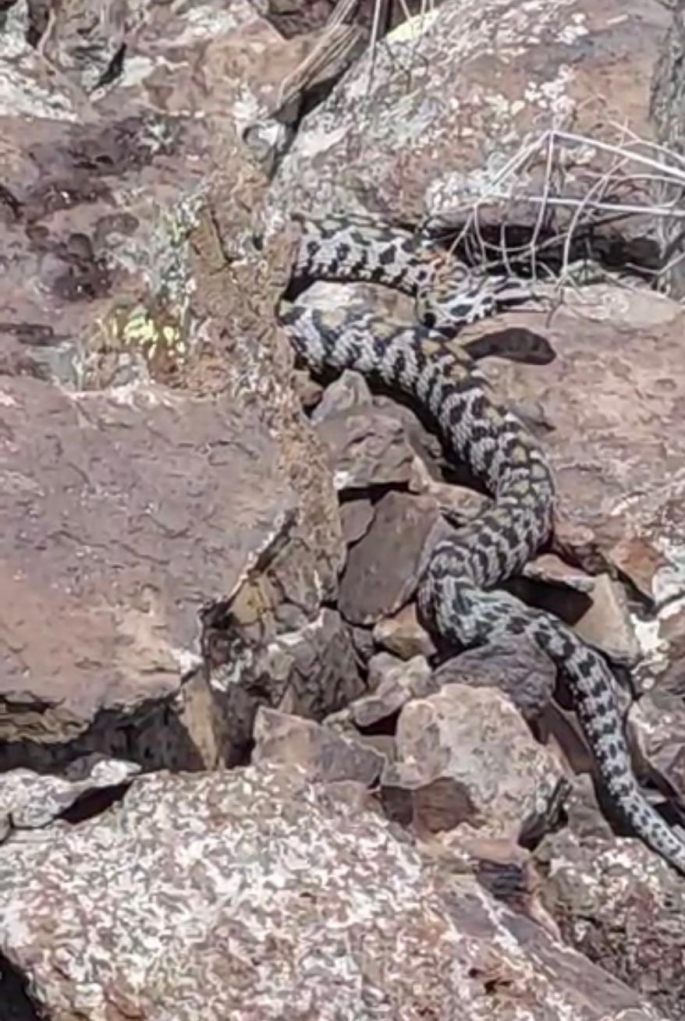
x,y
466,755
622,908
452,98
253,895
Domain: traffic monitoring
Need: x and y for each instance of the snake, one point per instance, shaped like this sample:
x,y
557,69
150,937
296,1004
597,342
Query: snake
x,y
458,596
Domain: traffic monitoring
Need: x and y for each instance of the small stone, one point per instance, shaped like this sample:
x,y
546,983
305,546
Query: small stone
x,y
366,448
393,683
382,569
520,670
607,624
403,635
466,755
356,517
349,390
323,754
459,504
639,561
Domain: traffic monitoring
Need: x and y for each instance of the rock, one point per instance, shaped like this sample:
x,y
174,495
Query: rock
x,y
366,449
304,898
458,504
595,605
393,683
356,517
133,265
29,800
607,624
465,755
322,754
520,670
382,569
585,818
349,390
638,561
310,672
623,908
617,445
403,635
489,79
141,504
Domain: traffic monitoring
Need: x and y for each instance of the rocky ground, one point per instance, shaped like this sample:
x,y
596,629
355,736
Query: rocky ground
x,y
237,778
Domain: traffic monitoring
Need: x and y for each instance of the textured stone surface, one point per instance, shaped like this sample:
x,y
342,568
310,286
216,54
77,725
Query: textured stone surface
x,y
251,895
465,755
131,260
140,505
624,909
349,390
393,683
520,670
29,800
366,448
355,517
322,754
403,635
487,76
311,671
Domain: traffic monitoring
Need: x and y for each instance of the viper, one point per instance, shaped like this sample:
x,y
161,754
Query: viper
x,y
458,596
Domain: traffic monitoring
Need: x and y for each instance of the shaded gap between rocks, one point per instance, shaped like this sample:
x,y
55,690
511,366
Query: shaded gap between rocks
x,y
15,1002
152,735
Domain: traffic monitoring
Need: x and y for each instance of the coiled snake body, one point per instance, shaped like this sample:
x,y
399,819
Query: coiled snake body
x,y
456,596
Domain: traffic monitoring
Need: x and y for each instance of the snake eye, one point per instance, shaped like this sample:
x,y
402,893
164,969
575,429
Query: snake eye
x,y
429,320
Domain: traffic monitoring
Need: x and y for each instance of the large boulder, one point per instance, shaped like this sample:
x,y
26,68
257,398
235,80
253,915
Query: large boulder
x,y
455,108
257,895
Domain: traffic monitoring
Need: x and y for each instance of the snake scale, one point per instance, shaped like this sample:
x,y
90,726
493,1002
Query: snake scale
x,y
456,596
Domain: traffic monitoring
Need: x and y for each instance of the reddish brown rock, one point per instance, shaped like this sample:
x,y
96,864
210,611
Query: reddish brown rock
x,y
366,449
393,683
382,570
403,635
322,754
466,755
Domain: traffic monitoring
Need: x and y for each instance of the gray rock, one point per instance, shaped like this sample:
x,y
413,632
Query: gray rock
x,y
520,670
356,517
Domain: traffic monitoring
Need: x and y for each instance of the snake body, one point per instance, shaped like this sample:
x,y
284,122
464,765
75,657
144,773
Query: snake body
x,y
456,594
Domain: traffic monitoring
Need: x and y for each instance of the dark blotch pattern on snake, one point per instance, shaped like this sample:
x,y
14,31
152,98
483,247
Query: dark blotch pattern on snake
x,y
456,596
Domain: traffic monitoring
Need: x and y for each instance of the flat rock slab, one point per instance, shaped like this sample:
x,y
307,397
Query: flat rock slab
x,y
121,514
383,568
255,896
